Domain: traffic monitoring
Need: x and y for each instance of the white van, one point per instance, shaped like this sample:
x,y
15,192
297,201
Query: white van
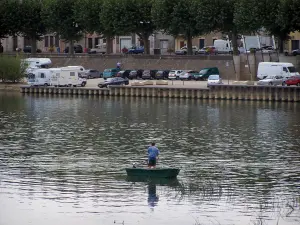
x,y
31,64
266,69
39,77
67,76
224,47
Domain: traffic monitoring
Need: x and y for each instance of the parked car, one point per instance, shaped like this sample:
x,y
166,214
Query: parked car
x,y
111,72
162,74
188,75
295,80
113,81
208,50
27,49
77,49
214,79
296,52
135,74
174,74
183,50
91,73
123,73
99,49
272,80
206,72
135,50
267,49
149,74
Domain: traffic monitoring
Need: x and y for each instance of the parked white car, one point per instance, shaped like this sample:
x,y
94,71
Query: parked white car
x,y
214,79
272,80
174,74
183,50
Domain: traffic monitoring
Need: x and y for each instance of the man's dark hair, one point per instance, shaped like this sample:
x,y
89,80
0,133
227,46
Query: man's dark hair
x,y
152,143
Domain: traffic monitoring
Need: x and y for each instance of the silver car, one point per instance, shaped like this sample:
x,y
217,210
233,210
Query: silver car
x,y
174,74
272,80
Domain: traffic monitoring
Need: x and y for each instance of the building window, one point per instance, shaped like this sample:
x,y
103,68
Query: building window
x,y
51,41
104,40
295,44
46,41
90,42
57,41
201,43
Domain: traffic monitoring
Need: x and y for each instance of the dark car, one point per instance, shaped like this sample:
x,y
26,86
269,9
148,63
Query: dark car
x,y
136,74
296,52
113,81
90,74
123,73
27,49
149,74
294,80
77,49
162,74
136,50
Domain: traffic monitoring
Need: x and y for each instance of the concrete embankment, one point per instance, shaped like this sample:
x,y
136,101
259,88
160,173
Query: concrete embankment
x,y
224,92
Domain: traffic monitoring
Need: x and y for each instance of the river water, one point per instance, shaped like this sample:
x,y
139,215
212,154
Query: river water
x,y
62,161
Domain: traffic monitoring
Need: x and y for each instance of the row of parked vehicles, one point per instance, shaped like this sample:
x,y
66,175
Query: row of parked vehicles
x,y
203,74
277,73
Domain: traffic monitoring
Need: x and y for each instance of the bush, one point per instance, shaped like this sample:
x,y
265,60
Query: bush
x,y
170,50
11,69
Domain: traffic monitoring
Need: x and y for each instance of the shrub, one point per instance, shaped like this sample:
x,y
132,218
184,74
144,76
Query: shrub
x,y
51,49
11,69
170,50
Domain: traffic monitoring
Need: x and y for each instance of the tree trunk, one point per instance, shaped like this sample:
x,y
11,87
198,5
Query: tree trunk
x,y
71,48
146,44
234,43
109,45
33,45
189,45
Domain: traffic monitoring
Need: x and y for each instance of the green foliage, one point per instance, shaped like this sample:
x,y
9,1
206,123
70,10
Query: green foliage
x,y
121,17
60,16
177,17
88,15
8,24
10,69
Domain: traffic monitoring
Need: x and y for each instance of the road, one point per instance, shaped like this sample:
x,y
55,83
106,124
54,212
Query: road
x,y
92,83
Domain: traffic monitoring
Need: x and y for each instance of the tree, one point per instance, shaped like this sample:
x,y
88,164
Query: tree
x,y
88,12
273,15
60,16
178,18
8,23
130,16
30,22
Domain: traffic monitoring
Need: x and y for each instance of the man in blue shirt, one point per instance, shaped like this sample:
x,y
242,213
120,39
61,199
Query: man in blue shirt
x,y
153,153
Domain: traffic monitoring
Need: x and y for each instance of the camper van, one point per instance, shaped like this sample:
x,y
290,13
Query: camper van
x,y
266,69
31,64
67,76
39,77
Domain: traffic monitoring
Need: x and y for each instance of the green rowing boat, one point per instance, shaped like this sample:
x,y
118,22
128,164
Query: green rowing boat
x,y
154,172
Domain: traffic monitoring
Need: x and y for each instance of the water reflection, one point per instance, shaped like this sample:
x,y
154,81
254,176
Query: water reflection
x,y
239,161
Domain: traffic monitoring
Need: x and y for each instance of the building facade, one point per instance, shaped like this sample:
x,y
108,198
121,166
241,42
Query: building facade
x,y
52,42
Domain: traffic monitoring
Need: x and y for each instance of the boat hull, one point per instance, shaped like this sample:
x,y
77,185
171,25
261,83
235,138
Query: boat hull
x,y
157,172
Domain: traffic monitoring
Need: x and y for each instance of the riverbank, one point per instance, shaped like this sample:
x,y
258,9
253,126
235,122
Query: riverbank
x,y
11,86
219,92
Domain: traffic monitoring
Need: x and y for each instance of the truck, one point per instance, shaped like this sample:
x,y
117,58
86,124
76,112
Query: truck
x,y
266,69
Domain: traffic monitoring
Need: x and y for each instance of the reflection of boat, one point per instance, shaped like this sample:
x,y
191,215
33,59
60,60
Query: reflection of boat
x,y
153,172
172,182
